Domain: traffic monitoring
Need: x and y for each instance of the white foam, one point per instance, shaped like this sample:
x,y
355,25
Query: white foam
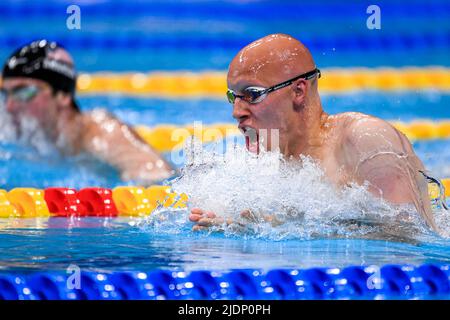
x,y
7,130
27,133
297,193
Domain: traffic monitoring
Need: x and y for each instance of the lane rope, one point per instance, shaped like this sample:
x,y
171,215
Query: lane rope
x,y
213,84
130,201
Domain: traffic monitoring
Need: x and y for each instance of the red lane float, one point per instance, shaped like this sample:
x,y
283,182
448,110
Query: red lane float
x,y
98,202
64,202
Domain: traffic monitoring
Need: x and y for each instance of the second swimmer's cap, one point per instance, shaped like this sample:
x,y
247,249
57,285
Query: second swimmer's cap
x,y
32,61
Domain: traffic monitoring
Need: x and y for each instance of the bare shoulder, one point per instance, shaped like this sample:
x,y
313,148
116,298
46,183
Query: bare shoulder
x,y
366,132
100,121
363,135
99,116
102,130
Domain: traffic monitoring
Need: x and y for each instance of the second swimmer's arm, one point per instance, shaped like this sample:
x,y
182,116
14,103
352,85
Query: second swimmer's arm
x,y
117,144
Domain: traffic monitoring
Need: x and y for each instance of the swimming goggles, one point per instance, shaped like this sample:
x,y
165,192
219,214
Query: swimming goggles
x,y
20,94
257,94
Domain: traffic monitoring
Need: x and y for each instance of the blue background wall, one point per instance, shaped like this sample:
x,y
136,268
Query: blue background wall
x,y
196,34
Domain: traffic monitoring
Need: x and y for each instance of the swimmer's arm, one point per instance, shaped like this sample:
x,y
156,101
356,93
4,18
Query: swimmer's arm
x,y
119,145
377,153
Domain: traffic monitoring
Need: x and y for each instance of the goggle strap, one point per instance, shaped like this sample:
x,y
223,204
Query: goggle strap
x,y
308,75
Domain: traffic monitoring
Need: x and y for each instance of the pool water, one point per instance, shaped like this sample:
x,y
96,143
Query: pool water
x,y
109,245
119,244
23,166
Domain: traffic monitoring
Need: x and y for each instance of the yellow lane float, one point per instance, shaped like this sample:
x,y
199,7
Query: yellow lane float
x,y
29,202
6,208
162,196
213,84
131,201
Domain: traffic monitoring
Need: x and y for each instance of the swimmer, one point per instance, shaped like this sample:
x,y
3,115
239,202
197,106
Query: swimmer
x,y
39,82
273,84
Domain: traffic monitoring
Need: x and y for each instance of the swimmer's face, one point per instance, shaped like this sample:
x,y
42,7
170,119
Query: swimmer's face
x,y
30,98
267,62
267,123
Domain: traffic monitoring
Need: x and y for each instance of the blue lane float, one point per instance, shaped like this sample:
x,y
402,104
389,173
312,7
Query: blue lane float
x,y
227,10
428,281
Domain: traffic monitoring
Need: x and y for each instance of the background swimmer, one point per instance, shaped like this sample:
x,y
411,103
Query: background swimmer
x,y
349,147
39,82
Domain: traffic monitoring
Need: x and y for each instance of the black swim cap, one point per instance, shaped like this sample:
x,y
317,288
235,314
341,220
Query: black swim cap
x,y
32,61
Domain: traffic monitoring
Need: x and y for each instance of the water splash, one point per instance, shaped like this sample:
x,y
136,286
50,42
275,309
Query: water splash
x,y
8,131
442,218
27,132
28,158
296,193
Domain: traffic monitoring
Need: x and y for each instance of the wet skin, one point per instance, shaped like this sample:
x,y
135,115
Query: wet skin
x,y
97,133
350,147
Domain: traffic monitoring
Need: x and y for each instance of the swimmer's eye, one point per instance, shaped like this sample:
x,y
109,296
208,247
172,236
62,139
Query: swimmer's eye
x,y
25,94
231,96
254,94
250,95
21,94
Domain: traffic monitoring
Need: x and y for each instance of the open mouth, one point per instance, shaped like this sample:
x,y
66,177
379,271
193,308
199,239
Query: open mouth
x,y
251,139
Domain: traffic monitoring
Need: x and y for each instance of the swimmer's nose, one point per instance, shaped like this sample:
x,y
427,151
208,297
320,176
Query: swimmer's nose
x,y
240,111
12,106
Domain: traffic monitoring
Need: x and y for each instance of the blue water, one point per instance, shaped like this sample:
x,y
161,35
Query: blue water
x,y
113,244
22,166
98,244
200,35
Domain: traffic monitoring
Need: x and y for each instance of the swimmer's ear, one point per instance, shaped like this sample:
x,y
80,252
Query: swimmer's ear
x,y
299,91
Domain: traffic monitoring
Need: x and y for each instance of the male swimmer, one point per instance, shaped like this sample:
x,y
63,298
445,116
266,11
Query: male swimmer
x,y
273,84
39,82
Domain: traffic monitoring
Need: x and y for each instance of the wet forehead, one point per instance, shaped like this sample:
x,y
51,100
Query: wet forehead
x,y
267,61
257,72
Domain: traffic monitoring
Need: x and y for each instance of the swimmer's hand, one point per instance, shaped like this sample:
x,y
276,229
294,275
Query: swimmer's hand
x,y
204,219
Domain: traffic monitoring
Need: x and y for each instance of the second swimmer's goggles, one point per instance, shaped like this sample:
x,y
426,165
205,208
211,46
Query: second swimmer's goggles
x,y
21,94
257,94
